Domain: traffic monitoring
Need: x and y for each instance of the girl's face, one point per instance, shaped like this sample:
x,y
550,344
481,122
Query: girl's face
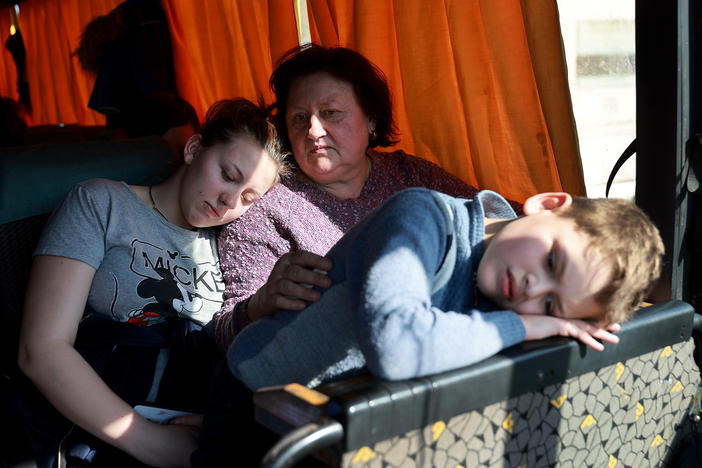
x,y
221,182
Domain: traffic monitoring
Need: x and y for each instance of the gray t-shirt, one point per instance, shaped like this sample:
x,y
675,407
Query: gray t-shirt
x,y
146,268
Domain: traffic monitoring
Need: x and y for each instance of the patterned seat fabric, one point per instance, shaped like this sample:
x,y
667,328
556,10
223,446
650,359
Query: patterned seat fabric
x,y
632,413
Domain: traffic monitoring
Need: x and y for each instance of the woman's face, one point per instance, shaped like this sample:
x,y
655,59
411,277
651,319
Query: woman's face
x,y
327,128
221,182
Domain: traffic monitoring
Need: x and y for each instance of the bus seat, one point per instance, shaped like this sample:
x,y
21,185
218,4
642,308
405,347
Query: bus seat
x,y
33,180
553,402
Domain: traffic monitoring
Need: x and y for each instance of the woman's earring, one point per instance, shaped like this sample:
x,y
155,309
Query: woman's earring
x,y
372,135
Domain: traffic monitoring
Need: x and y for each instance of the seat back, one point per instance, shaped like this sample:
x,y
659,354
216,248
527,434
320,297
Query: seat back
x,y
33,180
547,403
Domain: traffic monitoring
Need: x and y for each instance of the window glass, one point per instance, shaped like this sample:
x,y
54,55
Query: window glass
x,y
598,37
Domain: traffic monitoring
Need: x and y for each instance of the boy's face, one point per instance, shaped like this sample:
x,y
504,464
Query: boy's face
x,y
540,264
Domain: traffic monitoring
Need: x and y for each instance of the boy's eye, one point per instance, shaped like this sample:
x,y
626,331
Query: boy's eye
x,y
549,305
551,260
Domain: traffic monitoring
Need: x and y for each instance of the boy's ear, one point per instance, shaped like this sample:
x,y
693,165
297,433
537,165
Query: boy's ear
x,y
192,148
547,201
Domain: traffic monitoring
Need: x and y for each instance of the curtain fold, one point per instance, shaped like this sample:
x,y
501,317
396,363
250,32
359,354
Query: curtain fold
x,y
470,93
222,49
548,57
479,86
8,71
58,86
225,49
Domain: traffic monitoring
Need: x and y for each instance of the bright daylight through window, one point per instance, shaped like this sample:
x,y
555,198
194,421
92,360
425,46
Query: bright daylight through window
x,y
598,37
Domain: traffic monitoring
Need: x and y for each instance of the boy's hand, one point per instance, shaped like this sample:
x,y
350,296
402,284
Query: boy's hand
x,y
543,326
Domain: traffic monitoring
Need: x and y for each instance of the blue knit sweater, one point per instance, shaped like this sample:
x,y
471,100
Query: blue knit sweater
x,y
403,302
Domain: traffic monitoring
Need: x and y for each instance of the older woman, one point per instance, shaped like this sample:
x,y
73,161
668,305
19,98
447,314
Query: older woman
x,y
334,108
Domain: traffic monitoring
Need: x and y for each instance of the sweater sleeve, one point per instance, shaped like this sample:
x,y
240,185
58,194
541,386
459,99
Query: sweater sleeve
x,y
248,250
390,267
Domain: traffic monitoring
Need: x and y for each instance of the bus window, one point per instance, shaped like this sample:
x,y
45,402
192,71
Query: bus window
x,y
599,43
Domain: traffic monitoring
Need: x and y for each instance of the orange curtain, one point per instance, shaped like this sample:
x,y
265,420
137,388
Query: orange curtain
x,y
224,49
58,86
472,91
479,86
545,45
221,49
8,71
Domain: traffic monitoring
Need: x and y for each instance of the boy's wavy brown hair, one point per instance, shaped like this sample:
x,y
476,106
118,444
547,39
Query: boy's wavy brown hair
x,y
626,237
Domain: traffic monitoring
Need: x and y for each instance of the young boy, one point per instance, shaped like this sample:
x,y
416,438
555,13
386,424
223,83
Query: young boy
x,y
428,283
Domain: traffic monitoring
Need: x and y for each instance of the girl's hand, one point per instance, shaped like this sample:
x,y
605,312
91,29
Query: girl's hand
x,y
288,285
167,445
542,326
194,420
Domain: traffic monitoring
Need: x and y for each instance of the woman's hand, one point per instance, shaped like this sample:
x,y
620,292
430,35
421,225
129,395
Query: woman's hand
x,y
542,326
288,286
